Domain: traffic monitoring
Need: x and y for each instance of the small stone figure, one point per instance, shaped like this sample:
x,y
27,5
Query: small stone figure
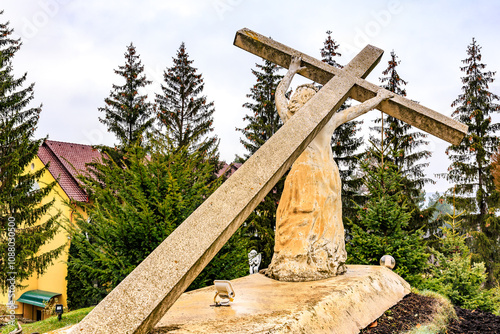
x,y
254,260
309,238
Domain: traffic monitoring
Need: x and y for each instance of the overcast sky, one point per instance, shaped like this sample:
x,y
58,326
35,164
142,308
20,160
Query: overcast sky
x,y
71,47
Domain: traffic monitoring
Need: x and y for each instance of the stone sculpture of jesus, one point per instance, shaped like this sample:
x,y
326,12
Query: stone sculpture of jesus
x,y
309,239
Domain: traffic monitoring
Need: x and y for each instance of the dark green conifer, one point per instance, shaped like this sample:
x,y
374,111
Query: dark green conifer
x,y
470,169
136,204
27,220
263,119
127,113
183,110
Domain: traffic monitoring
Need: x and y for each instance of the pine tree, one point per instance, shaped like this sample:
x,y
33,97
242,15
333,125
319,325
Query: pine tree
x,y
127,113
25,224
185,113
470,169
134,206
263,121
404,142
380,226
329,51
345,143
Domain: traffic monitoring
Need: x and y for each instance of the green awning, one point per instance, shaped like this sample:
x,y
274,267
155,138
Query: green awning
x,y
37,297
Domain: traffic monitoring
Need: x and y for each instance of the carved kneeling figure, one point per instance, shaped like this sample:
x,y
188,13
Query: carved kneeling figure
x,y
309,239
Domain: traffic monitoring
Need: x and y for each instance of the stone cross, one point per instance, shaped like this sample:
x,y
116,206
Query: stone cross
x,y
145,295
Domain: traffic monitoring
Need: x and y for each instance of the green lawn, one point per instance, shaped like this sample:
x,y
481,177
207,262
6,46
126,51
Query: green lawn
x,y
52,323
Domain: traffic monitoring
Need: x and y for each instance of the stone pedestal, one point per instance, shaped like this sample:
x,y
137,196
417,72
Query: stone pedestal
x,y
342,304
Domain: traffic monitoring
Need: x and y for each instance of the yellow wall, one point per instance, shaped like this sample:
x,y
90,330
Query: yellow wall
x,y
54,278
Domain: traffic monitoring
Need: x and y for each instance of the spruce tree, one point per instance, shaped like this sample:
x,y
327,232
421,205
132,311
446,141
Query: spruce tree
x,y
345,142
404,143
262,122
183,110
263,119
25,223
380,226
127,113
470,169
329,51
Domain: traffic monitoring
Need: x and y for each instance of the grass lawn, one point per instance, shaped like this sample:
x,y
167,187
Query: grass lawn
x,y
52,323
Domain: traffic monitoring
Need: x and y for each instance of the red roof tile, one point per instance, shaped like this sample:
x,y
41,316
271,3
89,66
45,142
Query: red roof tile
x,y
67,160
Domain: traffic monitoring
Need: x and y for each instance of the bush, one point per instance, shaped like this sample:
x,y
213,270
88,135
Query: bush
x,y
456,277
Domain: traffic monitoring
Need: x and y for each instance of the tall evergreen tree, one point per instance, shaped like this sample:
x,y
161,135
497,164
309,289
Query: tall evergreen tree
x,y
329,51
25,224
380,226
470,169
263,121
404,143
443,208
345,142
127,113
183,110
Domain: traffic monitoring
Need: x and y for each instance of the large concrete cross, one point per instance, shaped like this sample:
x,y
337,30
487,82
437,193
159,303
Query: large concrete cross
x,y
145,295
406,110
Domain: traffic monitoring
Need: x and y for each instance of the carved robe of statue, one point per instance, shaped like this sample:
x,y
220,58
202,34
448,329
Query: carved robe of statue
x,y
309,238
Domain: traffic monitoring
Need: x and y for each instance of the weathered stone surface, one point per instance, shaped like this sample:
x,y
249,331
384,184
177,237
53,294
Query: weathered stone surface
x,y
343,304
309,239
404,109
145,295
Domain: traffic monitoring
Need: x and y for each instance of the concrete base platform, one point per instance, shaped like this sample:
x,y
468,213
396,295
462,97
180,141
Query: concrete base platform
x,y
342,304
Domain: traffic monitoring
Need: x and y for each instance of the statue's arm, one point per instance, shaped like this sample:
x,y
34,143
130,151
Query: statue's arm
x,y
351,113
280,98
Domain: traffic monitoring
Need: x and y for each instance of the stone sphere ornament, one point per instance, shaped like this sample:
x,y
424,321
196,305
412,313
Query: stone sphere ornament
x,y
387,261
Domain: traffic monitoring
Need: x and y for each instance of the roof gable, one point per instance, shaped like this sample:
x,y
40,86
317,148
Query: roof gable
x,y
67,160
